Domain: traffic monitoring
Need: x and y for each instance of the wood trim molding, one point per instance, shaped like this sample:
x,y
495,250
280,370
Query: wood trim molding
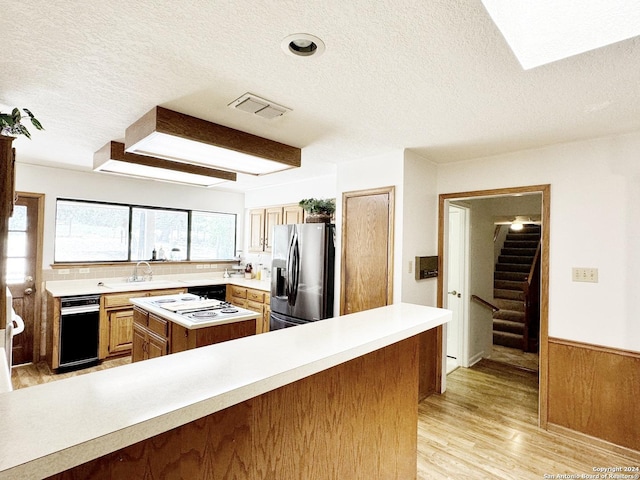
x,y
593,391
169,122
633,455
545,191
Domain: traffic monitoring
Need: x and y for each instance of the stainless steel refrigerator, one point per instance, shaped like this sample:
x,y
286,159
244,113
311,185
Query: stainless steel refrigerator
x,y
302,273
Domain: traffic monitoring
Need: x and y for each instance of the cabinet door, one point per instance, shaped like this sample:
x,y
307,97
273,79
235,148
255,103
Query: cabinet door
x,y
256,230
138,351
273,217
120,331
156,346
292,214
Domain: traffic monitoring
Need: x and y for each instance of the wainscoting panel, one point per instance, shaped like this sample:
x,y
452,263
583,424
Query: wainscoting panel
x,y
595,390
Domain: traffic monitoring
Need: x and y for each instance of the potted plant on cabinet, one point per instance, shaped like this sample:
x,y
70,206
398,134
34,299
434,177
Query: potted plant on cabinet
x,y
318,210
11,123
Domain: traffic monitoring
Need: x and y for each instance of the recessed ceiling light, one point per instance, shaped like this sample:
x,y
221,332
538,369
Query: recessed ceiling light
x,y
302,45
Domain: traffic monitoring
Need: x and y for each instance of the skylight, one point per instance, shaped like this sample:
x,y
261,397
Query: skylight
x,y
543,31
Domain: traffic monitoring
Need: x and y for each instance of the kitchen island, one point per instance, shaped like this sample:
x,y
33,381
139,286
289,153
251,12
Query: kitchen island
x,y
331,399
168,324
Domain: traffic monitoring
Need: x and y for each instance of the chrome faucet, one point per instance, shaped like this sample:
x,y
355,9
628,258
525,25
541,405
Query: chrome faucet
x,y
148,271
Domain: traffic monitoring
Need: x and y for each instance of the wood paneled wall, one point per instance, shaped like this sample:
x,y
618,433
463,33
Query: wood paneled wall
x,y
354,421
596,391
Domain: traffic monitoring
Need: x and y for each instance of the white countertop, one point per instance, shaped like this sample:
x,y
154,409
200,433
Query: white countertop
x,y
67,288
53,427
147,303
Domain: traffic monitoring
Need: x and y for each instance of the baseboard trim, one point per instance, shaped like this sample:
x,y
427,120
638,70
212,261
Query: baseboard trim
x,y
476,358
632,455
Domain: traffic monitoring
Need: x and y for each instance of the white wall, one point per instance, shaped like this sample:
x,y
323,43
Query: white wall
x,y
595,193
59,183
420,221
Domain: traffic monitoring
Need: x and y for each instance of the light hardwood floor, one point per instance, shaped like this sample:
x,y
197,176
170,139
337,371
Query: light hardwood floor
x,y
483,427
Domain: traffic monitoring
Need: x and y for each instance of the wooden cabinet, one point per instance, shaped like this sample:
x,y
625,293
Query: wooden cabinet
x,y
116,320
256,300
150,336
262,221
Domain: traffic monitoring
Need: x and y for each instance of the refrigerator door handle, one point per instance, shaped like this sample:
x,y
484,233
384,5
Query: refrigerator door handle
x,y
288,280
295,272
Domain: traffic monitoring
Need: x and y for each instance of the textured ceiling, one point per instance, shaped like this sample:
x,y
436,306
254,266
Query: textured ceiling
x,y
433,76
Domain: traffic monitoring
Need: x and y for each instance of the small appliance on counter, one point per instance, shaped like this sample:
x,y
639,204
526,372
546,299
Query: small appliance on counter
x,y
302,274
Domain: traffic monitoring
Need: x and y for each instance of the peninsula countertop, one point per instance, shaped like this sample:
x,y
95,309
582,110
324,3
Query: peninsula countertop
x,y
52,427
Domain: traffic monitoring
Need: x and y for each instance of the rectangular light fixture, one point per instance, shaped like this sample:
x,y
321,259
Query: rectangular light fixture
x,y
170,135
112,158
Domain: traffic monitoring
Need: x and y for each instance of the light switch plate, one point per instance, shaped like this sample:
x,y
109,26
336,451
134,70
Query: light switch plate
x,y
582,274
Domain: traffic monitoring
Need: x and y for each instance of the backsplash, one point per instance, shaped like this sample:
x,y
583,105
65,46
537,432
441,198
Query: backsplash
x,y
125,271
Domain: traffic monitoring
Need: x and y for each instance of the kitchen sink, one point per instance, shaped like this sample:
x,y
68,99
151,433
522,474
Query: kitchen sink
x,y
146,285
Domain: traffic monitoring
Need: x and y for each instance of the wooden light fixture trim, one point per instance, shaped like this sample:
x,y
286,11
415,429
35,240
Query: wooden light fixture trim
x,y
116,151
169,122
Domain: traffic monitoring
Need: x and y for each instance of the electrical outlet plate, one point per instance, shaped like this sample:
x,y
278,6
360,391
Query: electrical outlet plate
x,y
582,274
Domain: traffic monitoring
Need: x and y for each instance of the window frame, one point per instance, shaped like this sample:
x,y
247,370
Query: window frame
x,y
131,207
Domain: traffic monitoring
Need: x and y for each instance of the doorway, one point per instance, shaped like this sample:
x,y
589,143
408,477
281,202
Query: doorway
x,y
443,295
24,253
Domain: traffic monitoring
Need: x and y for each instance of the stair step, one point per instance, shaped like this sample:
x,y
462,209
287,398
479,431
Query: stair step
x,y
508,294
519,252
511,315
513,259
520,244
507,339
523,235
508,326
513,267
507,285
510,276
508,304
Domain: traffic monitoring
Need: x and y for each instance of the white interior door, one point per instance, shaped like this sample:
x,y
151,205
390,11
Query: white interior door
x,y
456,297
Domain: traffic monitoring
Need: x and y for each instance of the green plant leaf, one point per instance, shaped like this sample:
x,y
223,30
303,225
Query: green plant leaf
x,y
16,115
36,123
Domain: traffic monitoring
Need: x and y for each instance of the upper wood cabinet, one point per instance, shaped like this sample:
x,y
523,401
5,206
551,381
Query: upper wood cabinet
x,y
262,221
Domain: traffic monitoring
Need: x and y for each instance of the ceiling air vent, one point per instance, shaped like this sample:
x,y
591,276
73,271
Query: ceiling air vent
x,y
251,103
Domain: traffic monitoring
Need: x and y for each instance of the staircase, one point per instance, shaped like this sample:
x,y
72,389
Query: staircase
x,y
512,269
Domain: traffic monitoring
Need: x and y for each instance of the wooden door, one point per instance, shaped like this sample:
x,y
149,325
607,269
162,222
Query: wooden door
x,y
138,345
120,331
367,250
256,230
272,217
156,346
22,272
292,214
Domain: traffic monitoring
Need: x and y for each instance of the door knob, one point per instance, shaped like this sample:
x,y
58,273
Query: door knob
x,y
453,293
28,291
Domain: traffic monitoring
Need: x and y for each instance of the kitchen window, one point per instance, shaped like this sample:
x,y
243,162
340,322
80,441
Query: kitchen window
x,y
99,232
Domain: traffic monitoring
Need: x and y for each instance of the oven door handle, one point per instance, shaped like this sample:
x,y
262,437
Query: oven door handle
x,y
80,309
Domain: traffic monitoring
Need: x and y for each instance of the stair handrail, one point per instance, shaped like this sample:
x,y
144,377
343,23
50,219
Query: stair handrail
x,y
484,302
528,304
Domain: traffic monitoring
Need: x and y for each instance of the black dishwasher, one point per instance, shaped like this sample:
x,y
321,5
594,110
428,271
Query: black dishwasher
x,y
79,330
215,292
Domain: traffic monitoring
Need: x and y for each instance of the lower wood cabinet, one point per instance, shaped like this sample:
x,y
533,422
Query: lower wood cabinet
x,y
150,336
252,299
116,320
154,336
